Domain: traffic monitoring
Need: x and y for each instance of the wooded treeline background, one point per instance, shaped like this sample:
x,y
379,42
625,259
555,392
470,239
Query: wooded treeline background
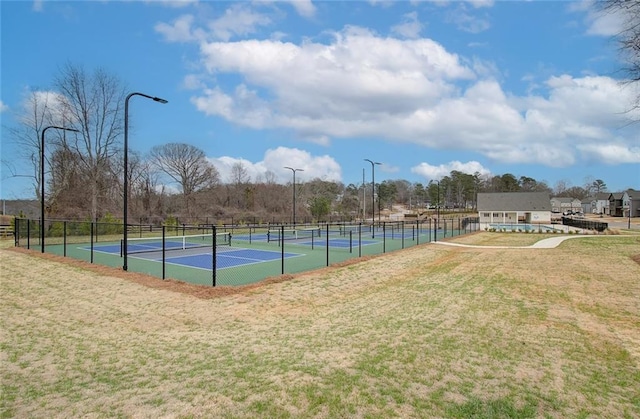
x,y
84,171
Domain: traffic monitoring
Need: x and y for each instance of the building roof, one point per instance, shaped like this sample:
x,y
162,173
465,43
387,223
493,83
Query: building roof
x,y
514,201
565,200
602,196
632,193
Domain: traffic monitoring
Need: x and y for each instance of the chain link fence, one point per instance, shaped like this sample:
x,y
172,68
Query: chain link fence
x,y
230,255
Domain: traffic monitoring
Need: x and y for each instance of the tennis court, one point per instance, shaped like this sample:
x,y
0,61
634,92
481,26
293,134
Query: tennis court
x,y
231,255
193,251
308,237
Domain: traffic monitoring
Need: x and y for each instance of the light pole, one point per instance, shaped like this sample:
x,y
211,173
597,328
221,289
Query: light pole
x,y
630,205
126,166
364,198
294,190
42,180
437,213
373,197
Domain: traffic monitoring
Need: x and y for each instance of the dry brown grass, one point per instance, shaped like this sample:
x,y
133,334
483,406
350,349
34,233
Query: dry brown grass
x,y
429,331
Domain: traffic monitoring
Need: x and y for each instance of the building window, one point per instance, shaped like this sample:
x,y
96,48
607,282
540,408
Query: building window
x,y
497,215
486,214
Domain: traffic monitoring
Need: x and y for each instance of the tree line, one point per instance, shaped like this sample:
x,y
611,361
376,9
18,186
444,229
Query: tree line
x,y
84,171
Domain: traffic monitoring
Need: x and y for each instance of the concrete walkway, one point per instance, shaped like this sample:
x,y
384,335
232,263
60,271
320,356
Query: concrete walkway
x,y
549,243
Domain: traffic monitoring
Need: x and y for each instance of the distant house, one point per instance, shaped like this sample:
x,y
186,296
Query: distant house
x,y
566,205
600,204
624,204
514,207
616,204
588,205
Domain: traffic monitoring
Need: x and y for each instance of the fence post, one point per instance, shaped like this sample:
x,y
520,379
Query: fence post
x,y
16,232
214,249
164,230
64,239
281,238
91,238
327,239
384,237
360,239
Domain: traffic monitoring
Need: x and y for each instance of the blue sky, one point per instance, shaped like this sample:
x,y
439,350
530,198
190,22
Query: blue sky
x,y
528,88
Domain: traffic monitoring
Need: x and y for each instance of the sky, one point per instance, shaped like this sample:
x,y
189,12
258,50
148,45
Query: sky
x,y
531,88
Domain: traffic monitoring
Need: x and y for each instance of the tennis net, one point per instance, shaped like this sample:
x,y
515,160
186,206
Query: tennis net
x,y
155,244
292,234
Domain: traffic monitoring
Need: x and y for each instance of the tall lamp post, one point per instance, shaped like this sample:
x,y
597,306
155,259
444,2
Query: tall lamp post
x,y
437,212
42,180
294,190
630,205
373,197
126,167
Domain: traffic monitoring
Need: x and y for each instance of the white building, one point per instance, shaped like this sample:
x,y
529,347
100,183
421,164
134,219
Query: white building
x,y
514,207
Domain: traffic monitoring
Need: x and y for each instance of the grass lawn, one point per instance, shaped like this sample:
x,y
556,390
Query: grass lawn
x,y
429,331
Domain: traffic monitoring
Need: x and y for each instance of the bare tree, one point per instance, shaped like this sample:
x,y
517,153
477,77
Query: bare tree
x,y
145,189
186,165
628,37
270,177
66,185
94,104
242,191
39,110
239,174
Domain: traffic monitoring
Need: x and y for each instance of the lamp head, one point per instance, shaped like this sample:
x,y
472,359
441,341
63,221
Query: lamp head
x,y
158,99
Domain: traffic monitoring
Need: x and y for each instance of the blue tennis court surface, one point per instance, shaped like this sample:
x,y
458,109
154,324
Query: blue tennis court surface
x,y
307,241
147,247
344,243
228,258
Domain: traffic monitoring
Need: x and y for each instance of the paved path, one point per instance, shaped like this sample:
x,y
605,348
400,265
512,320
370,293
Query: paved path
x,y
549,243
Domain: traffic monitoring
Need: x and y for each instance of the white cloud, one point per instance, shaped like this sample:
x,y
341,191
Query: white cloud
x,y
437,172
469,22
238,20
180,30
45,104
410,27
598,22
38,5
382,3
613,153
274,160
357,78
3,107
304,7
362,85
173,3
193,82
481,3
